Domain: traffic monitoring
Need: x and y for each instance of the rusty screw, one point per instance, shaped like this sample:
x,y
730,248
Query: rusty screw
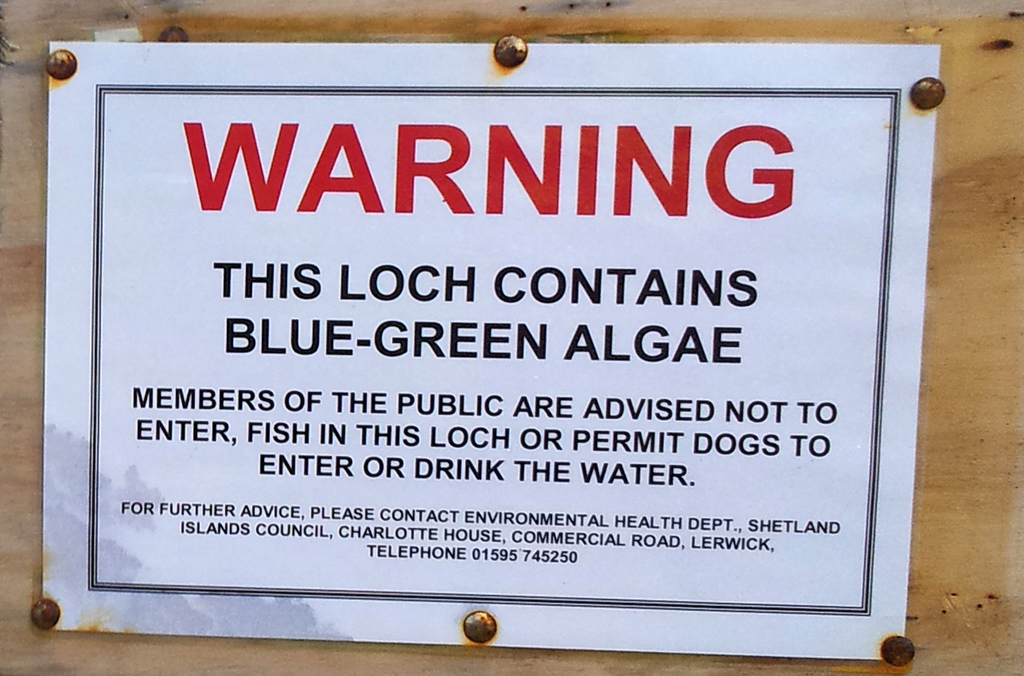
x,y
898,651
173,34
45,613
479,626
927,93
510,51
61,64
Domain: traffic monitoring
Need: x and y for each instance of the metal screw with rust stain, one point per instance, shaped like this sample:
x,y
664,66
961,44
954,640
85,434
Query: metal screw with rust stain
x,y
173,34
898,651
61,64
479,626
927,93
510,51
45,613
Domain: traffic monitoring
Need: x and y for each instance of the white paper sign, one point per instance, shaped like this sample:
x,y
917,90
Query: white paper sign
x,y
621,346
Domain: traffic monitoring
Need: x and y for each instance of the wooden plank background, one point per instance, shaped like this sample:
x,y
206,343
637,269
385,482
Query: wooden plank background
x,y
966,611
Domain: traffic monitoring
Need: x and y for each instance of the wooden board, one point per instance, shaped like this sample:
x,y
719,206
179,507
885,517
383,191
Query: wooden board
x,y
966,611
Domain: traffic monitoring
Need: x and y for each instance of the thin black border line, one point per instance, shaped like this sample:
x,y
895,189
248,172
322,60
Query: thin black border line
x,y
654,92
441,597
880,347
97,286
867,582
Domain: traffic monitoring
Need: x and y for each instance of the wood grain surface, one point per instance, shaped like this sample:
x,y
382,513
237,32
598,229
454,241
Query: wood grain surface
x,y
967,565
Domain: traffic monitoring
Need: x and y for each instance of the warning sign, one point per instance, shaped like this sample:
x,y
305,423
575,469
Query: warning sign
x,y
620,346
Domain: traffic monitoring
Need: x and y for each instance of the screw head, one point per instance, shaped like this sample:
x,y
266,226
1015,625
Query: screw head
x,y
927,93
61,64
898,651
173,34
510,51
45,613
479,626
